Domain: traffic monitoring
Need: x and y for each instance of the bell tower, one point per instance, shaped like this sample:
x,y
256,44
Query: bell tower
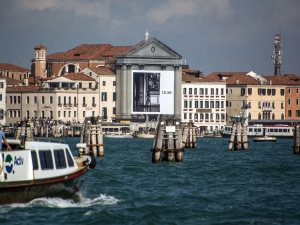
x,y
40,61
277,55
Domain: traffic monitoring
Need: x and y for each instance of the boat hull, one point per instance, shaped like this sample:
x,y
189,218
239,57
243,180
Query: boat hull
x,y
63,187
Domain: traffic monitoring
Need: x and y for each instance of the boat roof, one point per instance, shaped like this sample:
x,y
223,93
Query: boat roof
x,y
43,145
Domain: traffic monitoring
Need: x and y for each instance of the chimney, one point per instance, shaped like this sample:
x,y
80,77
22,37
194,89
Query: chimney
x,y
237,81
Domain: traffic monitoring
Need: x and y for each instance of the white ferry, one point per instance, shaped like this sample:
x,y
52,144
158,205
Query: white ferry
x,y
116,132
276,130
40,169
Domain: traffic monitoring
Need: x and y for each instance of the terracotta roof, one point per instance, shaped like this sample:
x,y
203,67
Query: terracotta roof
x,y
11,67
102,70
10,81
234,77
288,79
189,78
90,52
19,89
78,76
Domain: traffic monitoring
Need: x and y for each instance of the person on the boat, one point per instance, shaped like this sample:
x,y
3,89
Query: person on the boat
x,y
3,139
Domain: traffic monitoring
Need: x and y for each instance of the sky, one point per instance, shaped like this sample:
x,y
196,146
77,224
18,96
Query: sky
x,y
211,35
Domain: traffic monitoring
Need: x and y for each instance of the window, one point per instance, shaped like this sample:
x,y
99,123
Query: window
x,y
217,91
27,100
184,91
196,104
114,110
80,84
51,114
51,100
43,100
60,160
90,74
35,99
75,114
90,85
195,91
212,105
104,96
269,91
104,83
190,105
19,99
206,91
222,91
75,101
46,159
249,91
185,104
104,113
289,90
70,159
263,91
59,100
114,96
273,91
297,101
58,113
114,83
15,99
83,114
297,91
259,91
35,164
289,101
184,116
222,104
206,104
1,85
93,100
212,91
243,91
297,113
83,101
69,114
259,105
65,114
282,106
281,92
289,113
201,104
201,91
190,91
70,100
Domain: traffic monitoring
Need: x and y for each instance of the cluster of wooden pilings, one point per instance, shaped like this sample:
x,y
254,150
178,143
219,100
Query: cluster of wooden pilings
x,y
24,131
189,135
91,134
167,143
238,139
296,146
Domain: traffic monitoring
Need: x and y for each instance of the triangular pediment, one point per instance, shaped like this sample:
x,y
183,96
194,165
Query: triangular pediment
x,y
152,48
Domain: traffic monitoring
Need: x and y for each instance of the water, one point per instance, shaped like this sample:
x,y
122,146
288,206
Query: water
x,y
211,186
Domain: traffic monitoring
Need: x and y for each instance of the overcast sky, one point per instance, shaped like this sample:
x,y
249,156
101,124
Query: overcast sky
x,y
211,35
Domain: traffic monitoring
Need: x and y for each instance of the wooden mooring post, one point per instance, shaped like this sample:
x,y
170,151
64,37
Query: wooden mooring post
x,y
189,138
296,146
238,139
91,134
24,131
167,143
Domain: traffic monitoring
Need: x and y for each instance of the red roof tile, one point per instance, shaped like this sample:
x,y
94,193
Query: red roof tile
x,y
18,89
78,76
11,67
90,52
102,70
10,81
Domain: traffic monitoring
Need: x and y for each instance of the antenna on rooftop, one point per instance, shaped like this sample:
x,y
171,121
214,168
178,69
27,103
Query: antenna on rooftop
x,y
277,55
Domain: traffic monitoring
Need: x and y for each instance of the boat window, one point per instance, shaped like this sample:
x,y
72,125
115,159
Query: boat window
x,y
275,130
284,130
280,130
70,159
250,130
259,130
60,160
271,130
35,164
46,159
115,129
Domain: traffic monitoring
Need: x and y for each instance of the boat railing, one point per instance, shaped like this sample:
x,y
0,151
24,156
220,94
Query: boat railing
x,y
53,140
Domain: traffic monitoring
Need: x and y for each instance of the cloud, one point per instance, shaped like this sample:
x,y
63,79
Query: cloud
x,y
189,8
79,7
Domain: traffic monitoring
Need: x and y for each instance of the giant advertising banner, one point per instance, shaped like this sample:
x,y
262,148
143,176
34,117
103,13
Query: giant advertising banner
x,y
152,92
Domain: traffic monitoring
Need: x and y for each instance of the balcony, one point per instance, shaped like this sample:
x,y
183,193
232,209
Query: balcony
x,y
84,105
266,109
94,105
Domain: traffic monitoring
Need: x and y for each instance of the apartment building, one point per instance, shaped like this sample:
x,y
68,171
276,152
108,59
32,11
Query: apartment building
x,y
13,71
203,101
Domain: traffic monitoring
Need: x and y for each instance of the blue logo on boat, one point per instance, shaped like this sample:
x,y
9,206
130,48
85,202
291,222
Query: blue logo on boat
x,y
9,161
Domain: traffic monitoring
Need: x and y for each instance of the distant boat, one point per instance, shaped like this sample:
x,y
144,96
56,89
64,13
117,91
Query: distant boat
x,y
264,139
40,169
259,130
143,135
118,135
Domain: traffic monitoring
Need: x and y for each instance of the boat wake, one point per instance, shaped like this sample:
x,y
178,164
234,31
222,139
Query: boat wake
x,y
78,202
